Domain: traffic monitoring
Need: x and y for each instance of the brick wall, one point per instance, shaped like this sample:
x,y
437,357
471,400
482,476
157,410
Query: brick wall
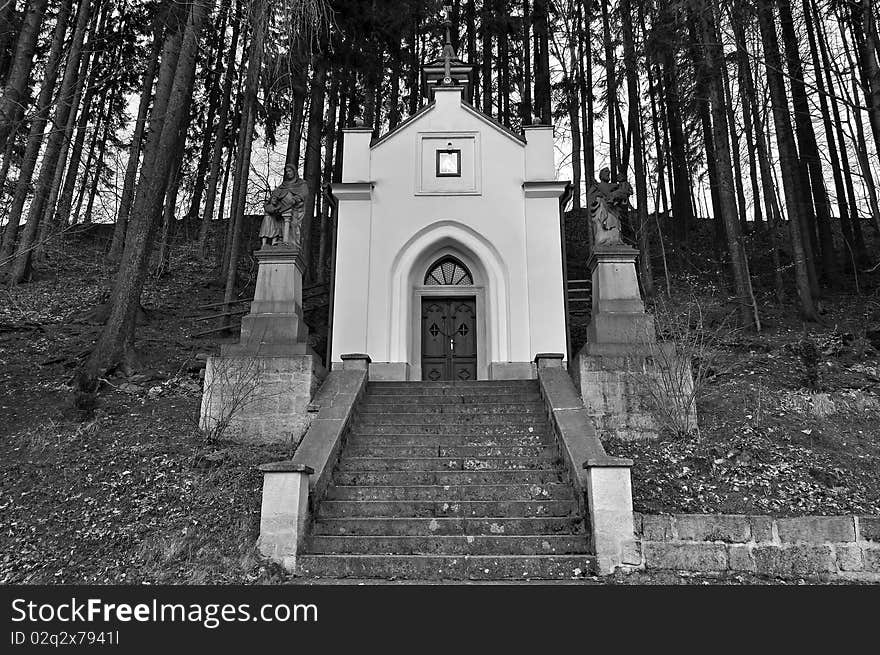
x,y
844,546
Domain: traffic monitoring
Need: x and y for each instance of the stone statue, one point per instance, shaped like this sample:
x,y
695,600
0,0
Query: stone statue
x,y
608,202
284,211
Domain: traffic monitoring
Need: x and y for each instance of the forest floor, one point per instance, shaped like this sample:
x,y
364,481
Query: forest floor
x,y
789,419
134,493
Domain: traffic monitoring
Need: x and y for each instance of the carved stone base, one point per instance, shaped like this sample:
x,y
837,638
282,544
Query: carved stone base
x,y
618,315
258,390
631,396
275,323
258,399
631,385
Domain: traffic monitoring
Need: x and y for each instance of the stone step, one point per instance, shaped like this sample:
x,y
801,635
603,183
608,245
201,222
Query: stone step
x,y
548,491
448,391
449,428
479,400
429,508
449,384
354,449
441,410
370,419
449,545
449,526
449,480
348,463
452,567
535,439
408,478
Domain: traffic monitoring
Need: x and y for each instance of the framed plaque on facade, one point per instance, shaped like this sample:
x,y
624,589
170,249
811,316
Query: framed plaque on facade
x,y
449,162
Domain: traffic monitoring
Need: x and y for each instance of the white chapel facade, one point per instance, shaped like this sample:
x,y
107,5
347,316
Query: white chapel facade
x,y
449,259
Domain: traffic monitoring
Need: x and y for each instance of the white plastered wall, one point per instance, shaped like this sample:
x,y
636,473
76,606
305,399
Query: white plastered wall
x,y
393,229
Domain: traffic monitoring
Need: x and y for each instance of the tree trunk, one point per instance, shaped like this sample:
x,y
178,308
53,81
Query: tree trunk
x,y
47,226
849,217
394,94
99,167
312,166
62,213
635,130
169,213
761,150
245,141
8,33
15,94
681,204
220,239
68,96
35,137
413,73
734,148
746,96
571,95
336,92
174,93
503,64
134,149
219,142
213,63
238,126
748,311
806,137
345,91
486,60
297,108
656,123
73,218
698,56
378,100
787,156
324,247
526,112
859,142
869,47
585,85
830,140
763,161
610,88
92,63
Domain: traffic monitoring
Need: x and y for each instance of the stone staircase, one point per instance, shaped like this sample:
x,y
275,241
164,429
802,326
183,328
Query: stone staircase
x,y
441,480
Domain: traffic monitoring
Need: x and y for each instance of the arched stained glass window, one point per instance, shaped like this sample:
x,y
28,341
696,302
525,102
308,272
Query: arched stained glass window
x,y
448,271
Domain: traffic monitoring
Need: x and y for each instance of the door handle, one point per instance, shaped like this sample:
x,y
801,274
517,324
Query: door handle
x,y
451,343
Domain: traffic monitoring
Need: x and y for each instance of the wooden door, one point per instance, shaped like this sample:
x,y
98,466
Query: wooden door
x,y
449,339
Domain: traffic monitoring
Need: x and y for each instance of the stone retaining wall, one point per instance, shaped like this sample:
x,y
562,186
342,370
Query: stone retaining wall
x,y
844,546
260,399
633,396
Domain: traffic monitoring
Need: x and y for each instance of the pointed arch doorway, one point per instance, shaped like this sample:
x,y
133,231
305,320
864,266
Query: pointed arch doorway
x,y
449,332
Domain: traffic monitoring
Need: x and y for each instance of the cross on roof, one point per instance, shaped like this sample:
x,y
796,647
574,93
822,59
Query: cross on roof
x,y
448,50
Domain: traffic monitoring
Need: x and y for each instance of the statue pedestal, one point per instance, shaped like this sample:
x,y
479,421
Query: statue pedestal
x,y
275,323
258,390
618,320
628,381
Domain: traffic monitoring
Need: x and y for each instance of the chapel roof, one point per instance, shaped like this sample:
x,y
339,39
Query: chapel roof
x,y
448,71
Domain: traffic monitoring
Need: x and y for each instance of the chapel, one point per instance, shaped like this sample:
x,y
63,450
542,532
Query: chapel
x,y
449,260
449,432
